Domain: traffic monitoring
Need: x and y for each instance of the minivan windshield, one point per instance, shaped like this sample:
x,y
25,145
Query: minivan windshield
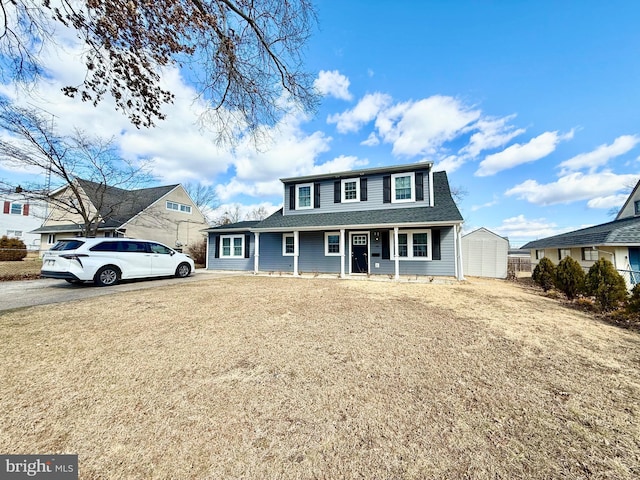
x,y
67,245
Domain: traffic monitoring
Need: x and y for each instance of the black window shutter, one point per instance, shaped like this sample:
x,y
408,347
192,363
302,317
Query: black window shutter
x,y
419,186
582,253
292,197
316,195
386,188
247,245
217,252
336,191
363,189
386,247
559,254
435,245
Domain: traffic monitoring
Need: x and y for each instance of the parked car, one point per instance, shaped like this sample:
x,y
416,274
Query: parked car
x,y
106,261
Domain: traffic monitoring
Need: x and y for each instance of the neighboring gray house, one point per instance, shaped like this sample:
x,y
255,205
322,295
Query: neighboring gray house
x,y
485,254
617,241
398,220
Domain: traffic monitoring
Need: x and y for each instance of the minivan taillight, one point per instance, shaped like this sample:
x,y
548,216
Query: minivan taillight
x,y
75,256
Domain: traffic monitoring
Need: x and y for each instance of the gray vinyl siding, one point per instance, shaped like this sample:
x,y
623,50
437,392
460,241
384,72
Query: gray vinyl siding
x,y
444,267
374,198
237,264
312,257
271,258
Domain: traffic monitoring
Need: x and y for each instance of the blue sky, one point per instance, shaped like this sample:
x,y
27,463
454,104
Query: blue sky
x,y
532,108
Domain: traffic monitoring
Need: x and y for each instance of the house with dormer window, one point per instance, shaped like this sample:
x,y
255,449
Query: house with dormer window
x,y
398,220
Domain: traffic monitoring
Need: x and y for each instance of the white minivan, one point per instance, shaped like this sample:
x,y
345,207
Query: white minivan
x,y
105,261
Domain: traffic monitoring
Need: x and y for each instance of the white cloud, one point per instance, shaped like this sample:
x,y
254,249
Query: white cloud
x,y
601,155
517,154
572,188
609,201
449,164
491,133
364,112
524,229
419,128
475,208
371,141
333,83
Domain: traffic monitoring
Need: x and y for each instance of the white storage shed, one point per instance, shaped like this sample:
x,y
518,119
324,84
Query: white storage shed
x,y
484,254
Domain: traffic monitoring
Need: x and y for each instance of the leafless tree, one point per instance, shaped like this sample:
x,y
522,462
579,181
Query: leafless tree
x,y
204,196
233,214
32,144
258,213
458,193
242,55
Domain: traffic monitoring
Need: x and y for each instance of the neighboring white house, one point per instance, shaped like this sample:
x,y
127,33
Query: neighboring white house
x,y
484,254
19,216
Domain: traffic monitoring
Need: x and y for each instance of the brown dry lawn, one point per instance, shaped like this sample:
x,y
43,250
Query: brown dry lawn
x,y
282,378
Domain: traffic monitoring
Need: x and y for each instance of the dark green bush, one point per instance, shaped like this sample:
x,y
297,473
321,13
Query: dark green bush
x,y
605,284
633,304
569,277
544,274
12,249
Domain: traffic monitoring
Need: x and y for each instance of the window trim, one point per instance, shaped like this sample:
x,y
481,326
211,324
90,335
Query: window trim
x,y
311,196
343,191
412,176
16,204
327,253
284,244
563,253
231,247
539,254
636,207
410,257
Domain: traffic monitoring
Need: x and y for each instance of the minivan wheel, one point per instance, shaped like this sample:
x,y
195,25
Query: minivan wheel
x,y
183,270
106,276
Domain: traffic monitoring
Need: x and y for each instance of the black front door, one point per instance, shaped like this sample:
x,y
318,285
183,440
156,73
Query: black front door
x,y
359,261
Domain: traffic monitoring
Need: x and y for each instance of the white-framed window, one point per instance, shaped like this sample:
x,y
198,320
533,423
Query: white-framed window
x,y
304,196
413,244
51,238
539,254
178,207
350,190
403,187
332,244
232,246
14,233
288,244
16,209
590,254
636,206
563,252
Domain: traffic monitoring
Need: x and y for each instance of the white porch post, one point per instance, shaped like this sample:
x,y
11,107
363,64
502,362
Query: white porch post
x,y
256,253
342,252
296,252
396,252
457,239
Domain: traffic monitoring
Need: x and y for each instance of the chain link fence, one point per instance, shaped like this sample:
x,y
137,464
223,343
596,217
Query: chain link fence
x,y
28,267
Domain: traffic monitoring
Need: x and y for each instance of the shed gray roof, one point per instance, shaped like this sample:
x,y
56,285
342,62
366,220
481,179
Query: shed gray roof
x,y
234,227
618,232
443,211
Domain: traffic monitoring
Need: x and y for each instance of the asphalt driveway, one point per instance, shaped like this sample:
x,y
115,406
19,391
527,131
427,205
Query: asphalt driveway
x,y
27,293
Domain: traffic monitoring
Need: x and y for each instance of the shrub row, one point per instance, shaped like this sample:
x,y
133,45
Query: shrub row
x,y
602,282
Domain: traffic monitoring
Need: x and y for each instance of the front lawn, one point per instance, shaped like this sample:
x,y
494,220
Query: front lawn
x,y
278,378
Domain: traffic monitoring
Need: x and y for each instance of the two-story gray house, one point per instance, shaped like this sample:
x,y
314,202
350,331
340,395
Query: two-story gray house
x,y
395,221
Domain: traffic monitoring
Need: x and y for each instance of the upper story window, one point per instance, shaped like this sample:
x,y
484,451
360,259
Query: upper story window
x,y
539,254
637,207
403,187
178,207
563,252
589,254
351,190
14,208
304,195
